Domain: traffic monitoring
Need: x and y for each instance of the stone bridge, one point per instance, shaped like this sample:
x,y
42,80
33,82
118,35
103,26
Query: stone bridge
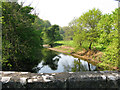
x,y
33,81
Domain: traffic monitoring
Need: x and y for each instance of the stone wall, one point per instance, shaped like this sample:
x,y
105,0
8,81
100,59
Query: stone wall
x,y
32,81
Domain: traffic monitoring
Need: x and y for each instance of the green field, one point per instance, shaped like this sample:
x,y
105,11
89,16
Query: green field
x,y
65,43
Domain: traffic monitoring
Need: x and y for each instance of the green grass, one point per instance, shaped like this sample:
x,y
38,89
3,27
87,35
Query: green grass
x,y
85,45
66,43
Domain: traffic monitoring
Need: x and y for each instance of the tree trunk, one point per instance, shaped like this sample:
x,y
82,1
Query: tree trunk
x,y
79,65
51,45
90,45
89,67
80,44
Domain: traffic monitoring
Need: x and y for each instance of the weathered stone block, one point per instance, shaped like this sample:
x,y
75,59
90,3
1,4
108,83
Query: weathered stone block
x,y
69,80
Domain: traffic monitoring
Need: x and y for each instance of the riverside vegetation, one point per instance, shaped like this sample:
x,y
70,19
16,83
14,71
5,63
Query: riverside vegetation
x,y
23,36
94,30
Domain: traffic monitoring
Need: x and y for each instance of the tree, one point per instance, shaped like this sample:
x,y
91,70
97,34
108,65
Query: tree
x,y
68,33
61,31
90,21
105,28
38,24
47,24
109,36
51,35
87,24
20,41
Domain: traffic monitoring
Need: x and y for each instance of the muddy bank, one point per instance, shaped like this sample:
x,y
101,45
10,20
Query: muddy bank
x,y
92,56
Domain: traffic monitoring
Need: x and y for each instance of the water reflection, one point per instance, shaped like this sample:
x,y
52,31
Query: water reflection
x,y
48,60
53,62
79,65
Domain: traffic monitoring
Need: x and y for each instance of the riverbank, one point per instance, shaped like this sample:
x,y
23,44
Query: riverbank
x,y
91,56
86,55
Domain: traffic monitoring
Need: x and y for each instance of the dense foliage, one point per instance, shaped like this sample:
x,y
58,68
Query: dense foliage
x,y
95,30
20,41
108,27
51,34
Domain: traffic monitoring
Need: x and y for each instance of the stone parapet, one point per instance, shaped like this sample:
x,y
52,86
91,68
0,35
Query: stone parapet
x,y
92,79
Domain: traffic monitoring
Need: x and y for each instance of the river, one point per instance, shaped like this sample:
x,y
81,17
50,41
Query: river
x,y
54,62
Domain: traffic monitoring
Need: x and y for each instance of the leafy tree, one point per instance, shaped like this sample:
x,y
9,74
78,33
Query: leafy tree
x,y
20,42
79,38
85,30
38,24
47,24
51,35
62,32
105,28
73,25
110,35
88,22
68,33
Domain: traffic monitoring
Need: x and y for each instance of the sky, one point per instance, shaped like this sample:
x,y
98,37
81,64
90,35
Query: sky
x,y
61,12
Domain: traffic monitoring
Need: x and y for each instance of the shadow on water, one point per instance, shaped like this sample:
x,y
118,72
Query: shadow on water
x,y
48,60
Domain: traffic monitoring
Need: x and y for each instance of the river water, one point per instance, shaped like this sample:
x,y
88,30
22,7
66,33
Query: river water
x,y
54,62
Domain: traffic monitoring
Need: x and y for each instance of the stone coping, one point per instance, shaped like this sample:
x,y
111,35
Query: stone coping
x,y
89,79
